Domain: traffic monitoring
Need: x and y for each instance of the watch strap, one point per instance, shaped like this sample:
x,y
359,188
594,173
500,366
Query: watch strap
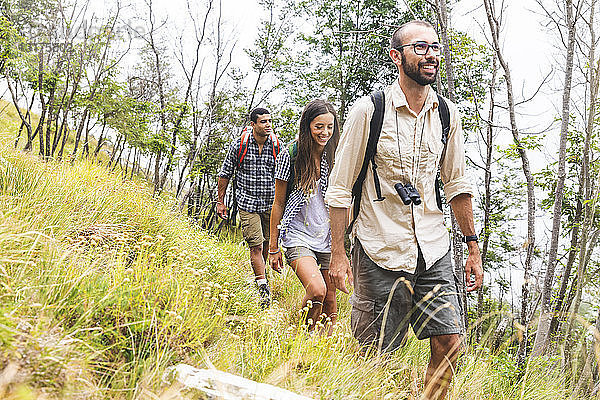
x,y
470,238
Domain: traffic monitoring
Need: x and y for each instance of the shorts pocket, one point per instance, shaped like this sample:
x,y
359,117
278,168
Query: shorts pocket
x,y
362,320
460,311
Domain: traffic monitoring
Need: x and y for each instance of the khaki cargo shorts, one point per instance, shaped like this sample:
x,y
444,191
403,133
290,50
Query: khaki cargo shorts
x,y
255,227
385,303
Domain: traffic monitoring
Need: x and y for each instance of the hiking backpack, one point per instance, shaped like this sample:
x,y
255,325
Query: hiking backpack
x,y
244,142
293,151
378,99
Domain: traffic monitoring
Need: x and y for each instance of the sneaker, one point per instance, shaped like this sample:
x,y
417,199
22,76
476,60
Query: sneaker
x,y
265,296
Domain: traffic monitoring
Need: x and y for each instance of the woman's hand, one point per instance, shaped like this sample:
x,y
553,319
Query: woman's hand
x,y
276,260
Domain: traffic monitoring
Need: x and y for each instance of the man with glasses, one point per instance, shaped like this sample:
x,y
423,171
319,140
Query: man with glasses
x,y
401,263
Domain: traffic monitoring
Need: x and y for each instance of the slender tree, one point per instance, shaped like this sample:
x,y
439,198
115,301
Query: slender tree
x,y
494,20
542,337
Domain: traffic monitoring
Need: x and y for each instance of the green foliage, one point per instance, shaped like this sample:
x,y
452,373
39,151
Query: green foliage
x,y
344,56
472,64
287,124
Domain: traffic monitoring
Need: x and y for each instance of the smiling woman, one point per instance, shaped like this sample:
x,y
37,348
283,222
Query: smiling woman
x,y
300,218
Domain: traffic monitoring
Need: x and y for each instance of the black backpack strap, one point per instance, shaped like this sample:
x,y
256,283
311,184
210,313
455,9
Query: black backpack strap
x,y
378,99
444,114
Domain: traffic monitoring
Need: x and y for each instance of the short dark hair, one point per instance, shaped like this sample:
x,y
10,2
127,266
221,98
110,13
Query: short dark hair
x,y
256,112
399,34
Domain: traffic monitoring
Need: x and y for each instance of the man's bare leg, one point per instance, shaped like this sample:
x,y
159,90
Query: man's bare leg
x,y
444,353
265,251
257,261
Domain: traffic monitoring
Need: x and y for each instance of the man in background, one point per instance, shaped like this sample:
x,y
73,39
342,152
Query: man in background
x,y
252,159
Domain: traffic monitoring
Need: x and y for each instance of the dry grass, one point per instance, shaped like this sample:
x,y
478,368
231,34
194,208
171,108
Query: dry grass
x,y
102,287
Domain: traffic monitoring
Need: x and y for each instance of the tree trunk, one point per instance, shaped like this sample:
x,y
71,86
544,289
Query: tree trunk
x,y
149,167
118,159
100,140
489,141
115,150
86,143
587,181
82,123
541,338
559,311
530,243
24,118
50,106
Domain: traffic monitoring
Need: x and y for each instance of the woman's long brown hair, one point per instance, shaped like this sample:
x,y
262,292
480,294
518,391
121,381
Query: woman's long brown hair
x,y
305,169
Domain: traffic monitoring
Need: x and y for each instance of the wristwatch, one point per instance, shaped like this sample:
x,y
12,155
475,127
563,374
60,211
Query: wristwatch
x,y
469,238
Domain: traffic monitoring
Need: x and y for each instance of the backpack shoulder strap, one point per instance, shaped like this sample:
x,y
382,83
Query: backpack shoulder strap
x,y
276,144
444,113
243,145
378,99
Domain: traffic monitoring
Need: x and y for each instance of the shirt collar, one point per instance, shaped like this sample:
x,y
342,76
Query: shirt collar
x,y
399,99
253,139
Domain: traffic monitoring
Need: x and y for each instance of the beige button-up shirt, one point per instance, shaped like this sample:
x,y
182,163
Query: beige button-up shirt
x,y
409,150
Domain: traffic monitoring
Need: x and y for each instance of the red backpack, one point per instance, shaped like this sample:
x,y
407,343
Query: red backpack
x,y
246,133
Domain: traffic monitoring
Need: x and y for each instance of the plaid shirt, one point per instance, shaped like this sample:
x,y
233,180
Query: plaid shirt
x,y
297,198
255,185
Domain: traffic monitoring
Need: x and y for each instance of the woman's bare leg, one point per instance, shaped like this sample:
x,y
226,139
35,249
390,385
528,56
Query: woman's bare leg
x,y
310,276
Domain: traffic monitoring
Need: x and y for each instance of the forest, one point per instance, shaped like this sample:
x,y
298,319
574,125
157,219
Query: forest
x,y
141,100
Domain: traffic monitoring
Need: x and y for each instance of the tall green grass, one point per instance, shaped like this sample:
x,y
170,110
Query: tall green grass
x,y
102,287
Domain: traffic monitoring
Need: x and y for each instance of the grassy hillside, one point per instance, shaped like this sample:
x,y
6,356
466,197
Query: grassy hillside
x,y
103,286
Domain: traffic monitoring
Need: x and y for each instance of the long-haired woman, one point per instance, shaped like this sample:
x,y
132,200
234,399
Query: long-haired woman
x,y
300,217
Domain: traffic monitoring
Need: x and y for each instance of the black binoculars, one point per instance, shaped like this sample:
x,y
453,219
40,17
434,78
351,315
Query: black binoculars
x,y
408,193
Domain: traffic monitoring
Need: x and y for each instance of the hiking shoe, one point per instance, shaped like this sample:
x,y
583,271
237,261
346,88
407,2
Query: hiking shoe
x,y
264,295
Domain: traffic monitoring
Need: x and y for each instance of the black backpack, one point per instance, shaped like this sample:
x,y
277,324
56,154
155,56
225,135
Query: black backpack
x,y
378,99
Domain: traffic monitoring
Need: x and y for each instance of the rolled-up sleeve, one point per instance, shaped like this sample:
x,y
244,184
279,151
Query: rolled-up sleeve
x,y
350,154
282,166
453,166
230,160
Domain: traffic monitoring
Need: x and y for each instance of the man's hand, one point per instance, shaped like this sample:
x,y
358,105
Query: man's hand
x,y
221,210
339,269
463,211
276,260
473,267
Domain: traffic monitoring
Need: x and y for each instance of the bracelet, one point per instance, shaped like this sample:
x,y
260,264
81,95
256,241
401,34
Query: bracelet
x,y
275,252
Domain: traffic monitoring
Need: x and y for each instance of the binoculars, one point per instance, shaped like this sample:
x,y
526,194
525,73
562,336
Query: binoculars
x,y
408,193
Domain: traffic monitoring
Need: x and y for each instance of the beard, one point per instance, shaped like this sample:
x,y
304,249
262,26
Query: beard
x,y
413,71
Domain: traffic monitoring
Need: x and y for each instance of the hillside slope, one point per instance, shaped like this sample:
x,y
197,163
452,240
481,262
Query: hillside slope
x,y
102,287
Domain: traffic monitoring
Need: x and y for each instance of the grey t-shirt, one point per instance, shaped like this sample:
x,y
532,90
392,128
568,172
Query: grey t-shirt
x,y
310,227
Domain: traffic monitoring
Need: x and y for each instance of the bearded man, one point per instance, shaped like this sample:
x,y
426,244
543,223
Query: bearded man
x,y
401,262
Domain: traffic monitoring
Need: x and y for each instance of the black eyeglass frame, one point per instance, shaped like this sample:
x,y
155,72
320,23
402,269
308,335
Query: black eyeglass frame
x,y
429,46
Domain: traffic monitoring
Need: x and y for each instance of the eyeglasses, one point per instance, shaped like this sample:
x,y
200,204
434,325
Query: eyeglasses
x,y
421,48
